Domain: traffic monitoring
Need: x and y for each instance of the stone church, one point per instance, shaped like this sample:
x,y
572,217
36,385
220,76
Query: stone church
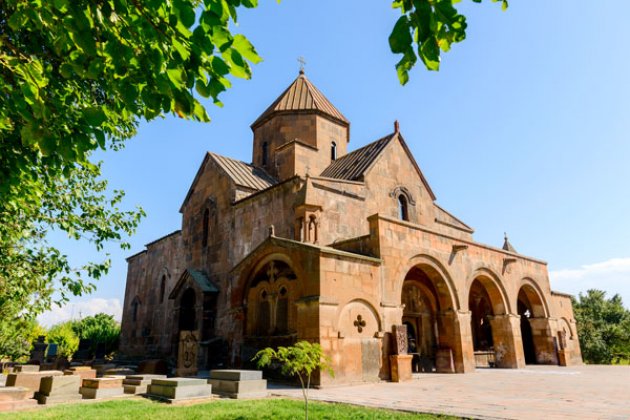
x,y
310,241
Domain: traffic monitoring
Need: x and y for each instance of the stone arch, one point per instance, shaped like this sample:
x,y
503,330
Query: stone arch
x,y
494,287
438,274
247,276
269,298
533,295
348,315
566,325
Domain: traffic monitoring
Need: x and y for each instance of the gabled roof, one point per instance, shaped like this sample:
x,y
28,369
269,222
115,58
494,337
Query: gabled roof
x,y
355,165
301,95
199,277
243,174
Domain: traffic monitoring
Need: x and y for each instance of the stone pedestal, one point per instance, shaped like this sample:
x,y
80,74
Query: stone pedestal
x,y
101,388
400,367
55,389
137,384
84,372
444,361
233,383
179,389
30,380
16,398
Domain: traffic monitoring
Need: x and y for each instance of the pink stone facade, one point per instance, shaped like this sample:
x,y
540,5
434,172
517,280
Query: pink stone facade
x,y
312,242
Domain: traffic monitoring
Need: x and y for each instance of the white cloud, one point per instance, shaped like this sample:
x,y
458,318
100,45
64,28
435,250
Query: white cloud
x,y
612,276
81,309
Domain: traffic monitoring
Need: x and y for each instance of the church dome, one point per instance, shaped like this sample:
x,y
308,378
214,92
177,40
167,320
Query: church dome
x,y
302,97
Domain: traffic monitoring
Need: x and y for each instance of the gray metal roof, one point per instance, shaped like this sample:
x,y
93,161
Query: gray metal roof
x,y
301,95
203,281
244,174
354,165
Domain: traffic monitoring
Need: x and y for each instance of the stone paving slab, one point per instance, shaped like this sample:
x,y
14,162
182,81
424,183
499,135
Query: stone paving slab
x,y
536,392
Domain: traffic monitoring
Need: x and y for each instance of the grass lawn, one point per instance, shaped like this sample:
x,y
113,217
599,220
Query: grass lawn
x,y
277,408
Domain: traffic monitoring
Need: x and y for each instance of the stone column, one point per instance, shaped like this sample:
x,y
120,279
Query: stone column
x,y
455,333
543,341
508,343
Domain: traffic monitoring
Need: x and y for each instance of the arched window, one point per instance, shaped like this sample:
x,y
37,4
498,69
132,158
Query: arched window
x,y
282,312
162,288
265,153
333,151
206,217
403,207
312,229
134,308
264,314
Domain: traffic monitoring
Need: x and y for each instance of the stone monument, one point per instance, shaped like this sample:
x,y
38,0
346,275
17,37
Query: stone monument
x,y
400,361
55,389
187,353
234,383
179,389
30,380
137,384
98,388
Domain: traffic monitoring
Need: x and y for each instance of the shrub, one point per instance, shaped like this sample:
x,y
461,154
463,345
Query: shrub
x,y
64,336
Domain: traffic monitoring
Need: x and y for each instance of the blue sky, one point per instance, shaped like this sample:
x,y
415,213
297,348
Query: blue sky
x,y
525,128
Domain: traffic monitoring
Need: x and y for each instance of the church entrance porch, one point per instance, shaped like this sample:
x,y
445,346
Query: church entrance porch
x,y
495,333
195,297
539,343
437,333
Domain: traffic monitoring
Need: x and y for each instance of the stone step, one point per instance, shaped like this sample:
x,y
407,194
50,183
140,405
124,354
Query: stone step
x,y
26,368
180,392
60,385
56,399
103,383
14,393
30,380
148,377
135,389
236,374
17,405
98,393
239,389
179,382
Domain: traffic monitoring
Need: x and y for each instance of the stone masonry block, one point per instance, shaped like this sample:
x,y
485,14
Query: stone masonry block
x,y
236,375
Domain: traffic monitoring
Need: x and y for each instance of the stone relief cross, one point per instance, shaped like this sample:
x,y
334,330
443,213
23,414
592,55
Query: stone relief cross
x,y
272,271
359,323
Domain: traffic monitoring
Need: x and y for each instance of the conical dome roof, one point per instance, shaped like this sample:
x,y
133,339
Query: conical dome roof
x,y
302,96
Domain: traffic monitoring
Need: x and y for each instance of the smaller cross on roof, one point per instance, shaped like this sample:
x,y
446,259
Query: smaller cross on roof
x,y
302,62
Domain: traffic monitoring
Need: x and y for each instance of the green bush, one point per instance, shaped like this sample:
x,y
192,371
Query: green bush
x,y
100,328
64,336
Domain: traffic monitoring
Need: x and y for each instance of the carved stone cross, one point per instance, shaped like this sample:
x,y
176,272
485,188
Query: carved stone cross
x,y
272,271
359,323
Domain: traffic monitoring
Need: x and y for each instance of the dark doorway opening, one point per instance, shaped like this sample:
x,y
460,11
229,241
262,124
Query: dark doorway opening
x,y
187,318
526,331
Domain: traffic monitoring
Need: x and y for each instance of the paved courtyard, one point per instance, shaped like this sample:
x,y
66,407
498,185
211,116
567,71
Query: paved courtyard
x,y
537,392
